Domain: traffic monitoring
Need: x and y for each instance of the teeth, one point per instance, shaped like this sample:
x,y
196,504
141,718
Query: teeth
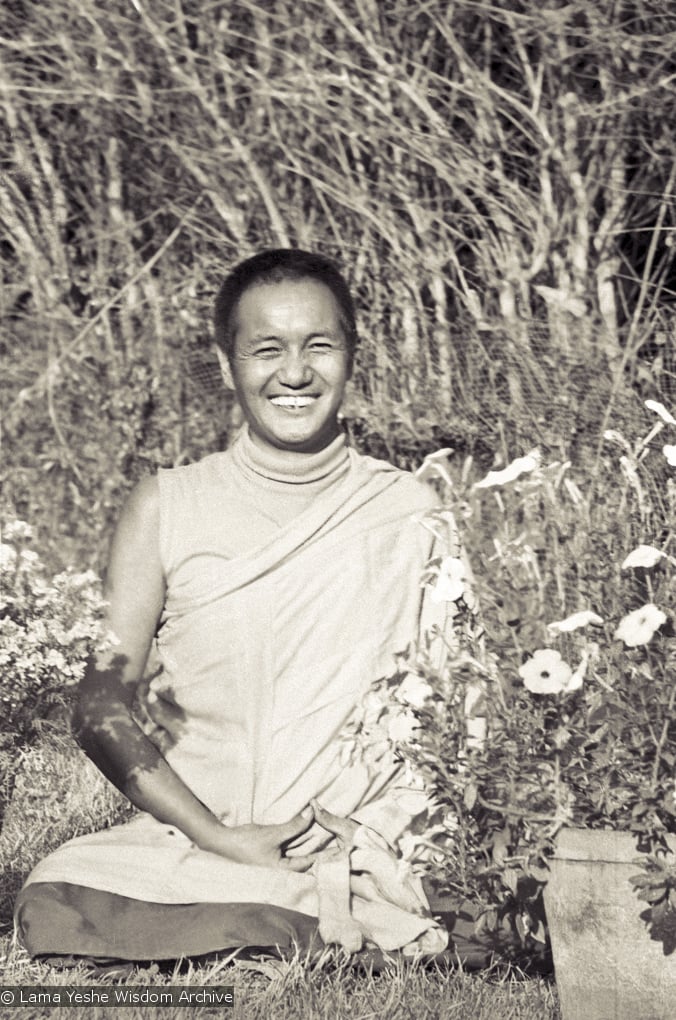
x,y
292,401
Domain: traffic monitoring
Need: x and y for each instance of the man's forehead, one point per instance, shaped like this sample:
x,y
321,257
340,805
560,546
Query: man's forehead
x,y
302,302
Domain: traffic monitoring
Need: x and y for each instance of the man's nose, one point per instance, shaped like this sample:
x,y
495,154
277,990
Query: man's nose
x,y
294,370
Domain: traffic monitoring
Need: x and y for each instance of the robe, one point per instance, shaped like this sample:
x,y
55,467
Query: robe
x,y
293,582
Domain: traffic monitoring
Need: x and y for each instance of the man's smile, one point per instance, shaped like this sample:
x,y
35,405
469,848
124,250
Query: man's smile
x,y
293,403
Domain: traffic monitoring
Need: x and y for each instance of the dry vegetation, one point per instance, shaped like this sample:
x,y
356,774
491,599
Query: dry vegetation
x,y
497,180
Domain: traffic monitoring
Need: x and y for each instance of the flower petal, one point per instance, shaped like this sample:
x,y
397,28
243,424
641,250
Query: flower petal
x,y
520,466
670,453
660,409
638,628
435,465
450,584
575,621
546,672
413,690
643,556
402,726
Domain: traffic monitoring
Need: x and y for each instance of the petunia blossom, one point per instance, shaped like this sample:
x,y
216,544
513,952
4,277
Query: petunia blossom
x,y
661,411
642,556
638,628
589,654
450,584
575,621
546,673
414,691
402,727
518,467
435,465
670,453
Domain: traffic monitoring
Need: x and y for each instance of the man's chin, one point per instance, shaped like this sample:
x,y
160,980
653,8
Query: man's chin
x,y
296,440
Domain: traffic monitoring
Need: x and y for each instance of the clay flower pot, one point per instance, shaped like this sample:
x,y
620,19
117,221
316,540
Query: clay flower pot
x,y
608,965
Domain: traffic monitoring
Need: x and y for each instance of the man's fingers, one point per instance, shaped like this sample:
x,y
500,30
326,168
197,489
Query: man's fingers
x,y
299,863
344,828
295,826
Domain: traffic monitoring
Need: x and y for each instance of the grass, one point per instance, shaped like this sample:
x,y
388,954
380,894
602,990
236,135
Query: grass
x,y
59,794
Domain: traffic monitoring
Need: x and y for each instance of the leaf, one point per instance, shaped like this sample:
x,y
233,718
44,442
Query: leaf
x,y
501,844
510,876
470,795
539,932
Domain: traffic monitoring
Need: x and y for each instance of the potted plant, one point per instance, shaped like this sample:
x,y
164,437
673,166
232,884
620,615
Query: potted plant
x,y
49,626
547,735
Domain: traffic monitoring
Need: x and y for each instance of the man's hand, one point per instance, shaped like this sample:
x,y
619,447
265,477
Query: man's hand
x,y
342,828
262,845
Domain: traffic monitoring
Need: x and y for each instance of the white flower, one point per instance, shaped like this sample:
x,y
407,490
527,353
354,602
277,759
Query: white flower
x,y
55,659
613,436
414,691
642,556
435,465
518,467
450,584
18,531
670,453
402,727
7,556
577,679
547,673
637,628
410,845
575,621
660,409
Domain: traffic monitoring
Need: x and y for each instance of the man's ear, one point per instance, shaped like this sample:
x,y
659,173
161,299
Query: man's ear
x,y
226,371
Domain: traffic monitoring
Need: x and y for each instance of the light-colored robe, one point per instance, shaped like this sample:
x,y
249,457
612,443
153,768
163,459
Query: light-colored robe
x,y
283,604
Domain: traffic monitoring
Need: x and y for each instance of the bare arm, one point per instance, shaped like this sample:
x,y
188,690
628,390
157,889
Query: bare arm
x,y
135,591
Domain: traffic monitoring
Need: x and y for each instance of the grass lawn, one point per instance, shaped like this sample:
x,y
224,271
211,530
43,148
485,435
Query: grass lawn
x,y
59,794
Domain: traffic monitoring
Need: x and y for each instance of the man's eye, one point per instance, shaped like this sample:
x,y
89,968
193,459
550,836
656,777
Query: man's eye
x,y
266,352
321,345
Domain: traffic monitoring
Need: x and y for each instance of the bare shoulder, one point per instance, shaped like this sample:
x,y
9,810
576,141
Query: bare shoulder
x,y
143,503
134,555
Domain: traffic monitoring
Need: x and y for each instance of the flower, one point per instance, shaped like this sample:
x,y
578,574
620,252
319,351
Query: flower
x,y
402,727
450,584
575,621
642,556
18,531
7,556
414,691
546,673
613,436
660,409
589,654
637,628
670,453
582,737
520,466
435,465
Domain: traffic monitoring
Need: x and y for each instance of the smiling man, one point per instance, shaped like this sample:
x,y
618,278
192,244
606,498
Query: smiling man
x,y
287,348
254,596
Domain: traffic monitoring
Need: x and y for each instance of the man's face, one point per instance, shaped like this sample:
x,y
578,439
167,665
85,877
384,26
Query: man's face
x,y
290,364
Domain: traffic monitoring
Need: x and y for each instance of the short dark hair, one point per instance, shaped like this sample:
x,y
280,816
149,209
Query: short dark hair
x,y
276,265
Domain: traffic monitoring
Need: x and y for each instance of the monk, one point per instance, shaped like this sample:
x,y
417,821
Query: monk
x,y
254,596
